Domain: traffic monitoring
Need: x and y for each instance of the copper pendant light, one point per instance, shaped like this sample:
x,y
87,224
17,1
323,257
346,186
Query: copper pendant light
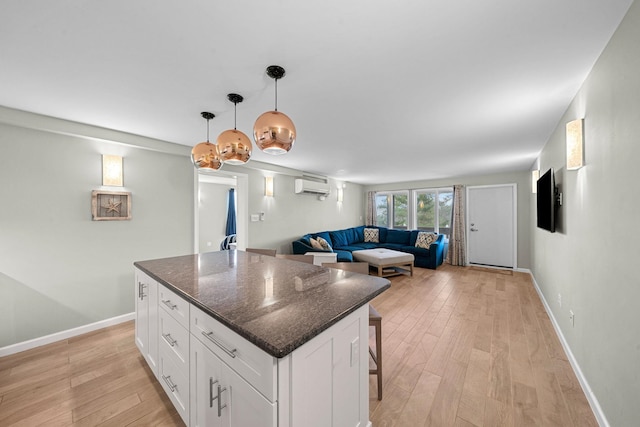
x,y
274,131
234,146
205,154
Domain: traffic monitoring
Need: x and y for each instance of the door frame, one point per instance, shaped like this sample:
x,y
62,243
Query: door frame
x,y
514,214
242,208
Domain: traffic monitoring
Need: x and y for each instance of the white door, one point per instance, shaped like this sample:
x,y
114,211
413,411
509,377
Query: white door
x,y
491,219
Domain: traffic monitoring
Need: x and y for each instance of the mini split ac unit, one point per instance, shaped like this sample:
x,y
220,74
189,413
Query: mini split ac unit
x,y
311,187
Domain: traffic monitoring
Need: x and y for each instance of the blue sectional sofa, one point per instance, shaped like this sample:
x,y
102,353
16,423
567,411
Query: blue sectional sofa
x,y
343,242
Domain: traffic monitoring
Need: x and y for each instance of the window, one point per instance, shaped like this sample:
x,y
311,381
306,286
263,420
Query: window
x,y
392,209
427,209
433,210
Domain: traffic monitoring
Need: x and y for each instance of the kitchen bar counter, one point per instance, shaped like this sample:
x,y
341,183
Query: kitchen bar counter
x,y
276,304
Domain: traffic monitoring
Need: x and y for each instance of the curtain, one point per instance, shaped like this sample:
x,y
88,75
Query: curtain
x,y
457,243
371,208
231,213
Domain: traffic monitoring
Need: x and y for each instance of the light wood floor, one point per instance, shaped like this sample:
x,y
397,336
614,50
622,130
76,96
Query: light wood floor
x,y
461,347
472,347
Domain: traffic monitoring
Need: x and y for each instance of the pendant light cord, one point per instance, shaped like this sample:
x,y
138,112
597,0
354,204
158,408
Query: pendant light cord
x,y
208,130
276,94
235,116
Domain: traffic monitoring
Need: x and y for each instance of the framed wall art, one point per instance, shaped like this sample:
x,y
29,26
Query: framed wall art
x,y
110,205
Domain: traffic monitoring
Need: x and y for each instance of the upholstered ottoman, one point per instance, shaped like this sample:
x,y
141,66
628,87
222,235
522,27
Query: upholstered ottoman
x,y
386,262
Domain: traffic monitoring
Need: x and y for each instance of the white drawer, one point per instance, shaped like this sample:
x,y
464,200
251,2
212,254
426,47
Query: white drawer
x,y
175,383
257,367
176,306
175,339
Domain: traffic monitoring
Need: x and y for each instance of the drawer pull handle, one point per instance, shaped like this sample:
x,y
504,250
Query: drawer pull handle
x,y
141,287
170,383
219,344
170,339
168,304
217,397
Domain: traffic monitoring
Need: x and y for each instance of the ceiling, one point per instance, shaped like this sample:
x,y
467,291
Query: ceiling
x,y
379,91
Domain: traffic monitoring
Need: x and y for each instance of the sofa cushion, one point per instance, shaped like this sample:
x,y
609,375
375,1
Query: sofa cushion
x,y
371,235
363,245
323,234
398,236
344,256
416,251
351,248
358,234
339,238
392,246
315,244
425,239
383,234
306,239
324,243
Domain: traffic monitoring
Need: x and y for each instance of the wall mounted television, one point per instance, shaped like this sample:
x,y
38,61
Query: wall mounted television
x,y
547,205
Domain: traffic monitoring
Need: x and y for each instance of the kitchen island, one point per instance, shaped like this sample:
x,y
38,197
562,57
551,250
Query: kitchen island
x,y
238,338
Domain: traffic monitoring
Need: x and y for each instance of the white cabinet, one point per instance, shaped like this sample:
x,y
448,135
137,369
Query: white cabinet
x,y
147,318
256,366
328,376
174,341
215,377
221,397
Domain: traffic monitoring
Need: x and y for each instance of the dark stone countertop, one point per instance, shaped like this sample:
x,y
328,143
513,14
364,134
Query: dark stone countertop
x,y
276,304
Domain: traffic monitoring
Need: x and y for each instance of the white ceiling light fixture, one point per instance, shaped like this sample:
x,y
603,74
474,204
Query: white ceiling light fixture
x,y
274,132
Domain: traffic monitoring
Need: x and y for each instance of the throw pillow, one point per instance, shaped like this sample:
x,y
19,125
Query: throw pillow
x,y
372,235
315,244
325,245
425,239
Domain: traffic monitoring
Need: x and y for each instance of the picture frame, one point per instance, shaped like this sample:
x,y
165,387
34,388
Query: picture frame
x,y
110,205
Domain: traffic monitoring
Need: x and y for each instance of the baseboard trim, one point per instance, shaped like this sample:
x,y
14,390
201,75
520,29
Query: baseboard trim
x,y
62,335
591,397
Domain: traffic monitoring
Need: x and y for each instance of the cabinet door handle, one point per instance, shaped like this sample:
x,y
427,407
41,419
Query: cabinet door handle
x,y
211,398
220,405
168,304
219,344
217,396
170,383
141,287
170,339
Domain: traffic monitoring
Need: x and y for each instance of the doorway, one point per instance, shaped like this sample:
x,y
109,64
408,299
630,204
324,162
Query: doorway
x,y
491,225
215,185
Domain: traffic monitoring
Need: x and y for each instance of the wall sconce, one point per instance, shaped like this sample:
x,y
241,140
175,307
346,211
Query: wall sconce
x,y
268,186
575,144
535,176
112,170
340,195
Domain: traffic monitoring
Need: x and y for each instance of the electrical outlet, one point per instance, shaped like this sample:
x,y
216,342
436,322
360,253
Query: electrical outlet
x,y
560,300
572,318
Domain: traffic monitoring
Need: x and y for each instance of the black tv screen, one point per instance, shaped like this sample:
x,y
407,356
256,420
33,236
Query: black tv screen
x,y
546,205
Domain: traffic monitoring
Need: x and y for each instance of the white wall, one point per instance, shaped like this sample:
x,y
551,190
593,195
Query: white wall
x,y
288,216
591,260
58,268
523,181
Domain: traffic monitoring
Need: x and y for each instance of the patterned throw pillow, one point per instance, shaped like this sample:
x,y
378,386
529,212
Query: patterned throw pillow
x,y
315,244
372,235
325,245
425,240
